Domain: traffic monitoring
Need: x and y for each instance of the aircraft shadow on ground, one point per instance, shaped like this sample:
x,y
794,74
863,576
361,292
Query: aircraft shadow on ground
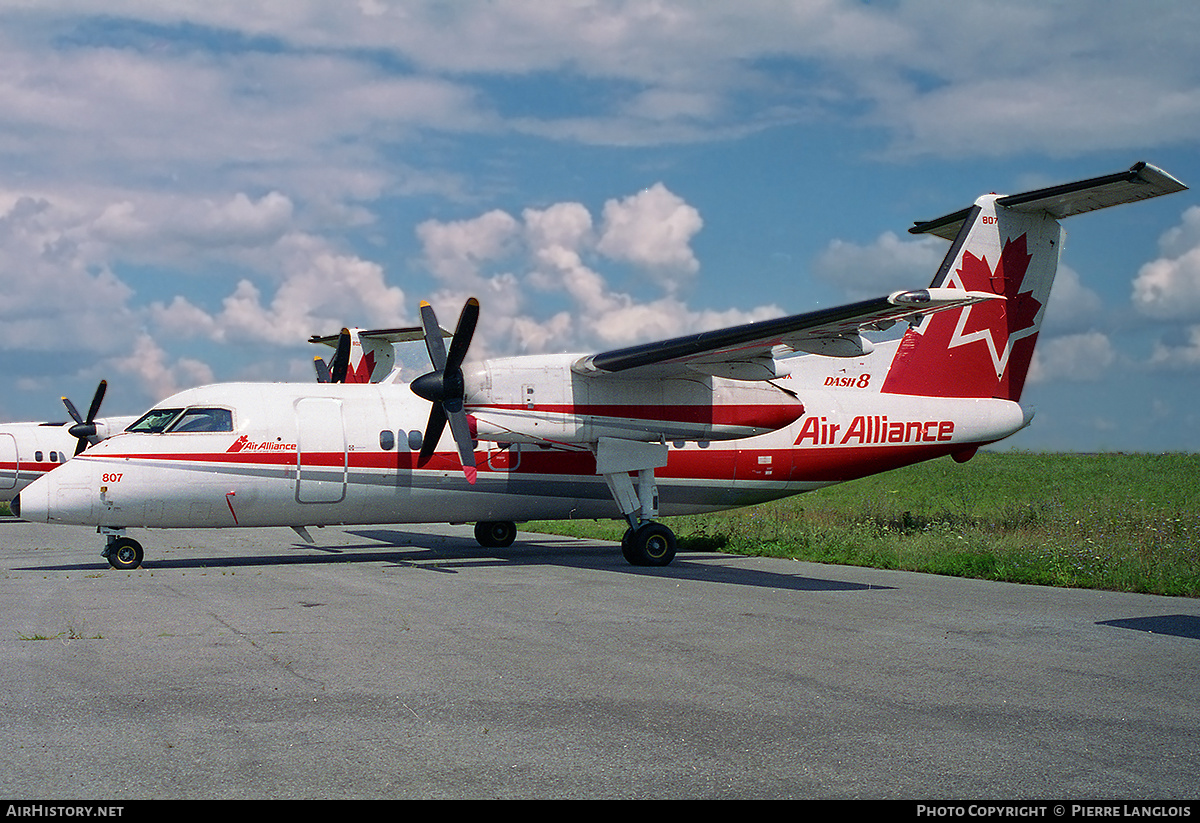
x,y
448,554
1178,625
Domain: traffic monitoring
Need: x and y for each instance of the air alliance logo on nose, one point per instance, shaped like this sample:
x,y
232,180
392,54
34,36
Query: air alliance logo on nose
x,y
245,444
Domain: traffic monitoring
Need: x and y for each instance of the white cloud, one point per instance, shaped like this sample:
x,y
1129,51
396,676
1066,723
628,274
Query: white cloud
x,y
158,377
1184,354
559,250
881,267
455,251
318,290
1072,306
1169,287
652,229
1075,357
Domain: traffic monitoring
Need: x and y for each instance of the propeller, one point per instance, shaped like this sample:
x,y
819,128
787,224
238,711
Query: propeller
x,y
85,427
444,386
335,372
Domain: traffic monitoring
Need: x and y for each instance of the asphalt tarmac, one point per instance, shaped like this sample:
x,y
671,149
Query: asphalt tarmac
x,y
396,662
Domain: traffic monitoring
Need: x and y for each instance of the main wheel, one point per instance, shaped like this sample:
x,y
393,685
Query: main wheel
x,y
125,554
650,544
495,534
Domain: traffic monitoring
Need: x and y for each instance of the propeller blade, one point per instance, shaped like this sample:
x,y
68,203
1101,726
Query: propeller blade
x,y
433,433
97,399
445,388
461,430
463,334
341,359
433,337
72,410
323,374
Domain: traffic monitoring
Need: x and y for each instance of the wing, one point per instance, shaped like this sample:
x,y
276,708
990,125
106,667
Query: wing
x,y
747,352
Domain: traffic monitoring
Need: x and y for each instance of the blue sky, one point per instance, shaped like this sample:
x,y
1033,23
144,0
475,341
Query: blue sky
x,y
188,191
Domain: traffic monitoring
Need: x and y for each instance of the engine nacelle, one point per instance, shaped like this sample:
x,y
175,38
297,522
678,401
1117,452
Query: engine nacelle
x,y
526,400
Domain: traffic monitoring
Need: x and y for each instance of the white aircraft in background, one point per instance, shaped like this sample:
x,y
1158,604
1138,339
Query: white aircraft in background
x,y
700,423
29,450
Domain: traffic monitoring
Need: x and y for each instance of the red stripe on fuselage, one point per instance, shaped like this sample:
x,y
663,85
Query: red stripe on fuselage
x,y
768,416
827,464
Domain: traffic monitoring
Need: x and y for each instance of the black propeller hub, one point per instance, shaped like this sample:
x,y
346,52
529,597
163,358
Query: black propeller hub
x,y
440,387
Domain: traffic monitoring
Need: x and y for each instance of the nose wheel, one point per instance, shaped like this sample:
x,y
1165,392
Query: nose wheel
x,y
123,553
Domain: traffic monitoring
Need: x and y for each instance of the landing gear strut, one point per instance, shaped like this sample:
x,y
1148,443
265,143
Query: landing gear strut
x,y
645,543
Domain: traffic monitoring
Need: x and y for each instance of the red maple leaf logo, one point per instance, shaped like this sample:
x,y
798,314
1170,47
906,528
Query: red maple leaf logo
x,y
981,350
997,323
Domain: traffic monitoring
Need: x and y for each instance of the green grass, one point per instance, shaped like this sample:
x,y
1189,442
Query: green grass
x,y
1107,521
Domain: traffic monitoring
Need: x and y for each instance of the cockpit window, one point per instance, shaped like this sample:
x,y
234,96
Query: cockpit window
x,y
154,421
197,419
203,420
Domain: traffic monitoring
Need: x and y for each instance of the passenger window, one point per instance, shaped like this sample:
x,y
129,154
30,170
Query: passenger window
x,y
387,440
38,456
203,420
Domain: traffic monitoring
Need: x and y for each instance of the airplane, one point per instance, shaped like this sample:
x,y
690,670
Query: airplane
x,y
29,450
699,423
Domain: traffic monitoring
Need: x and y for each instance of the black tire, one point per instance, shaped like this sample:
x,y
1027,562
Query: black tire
x,y
651,544
125,554
627,548
495,534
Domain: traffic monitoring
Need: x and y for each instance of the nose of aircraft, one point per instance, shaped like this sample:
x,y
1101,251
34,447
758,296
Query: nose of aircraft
x,y
31,503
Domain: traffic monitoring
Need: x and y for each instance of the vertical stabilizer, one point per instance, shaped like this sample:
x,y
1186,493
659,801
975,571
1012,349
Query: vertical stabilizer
x,y
1009,246
983,350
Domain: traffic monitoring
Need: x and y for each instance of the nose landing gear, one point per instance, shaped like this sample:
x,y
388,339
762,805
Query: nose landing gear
x,y
122,553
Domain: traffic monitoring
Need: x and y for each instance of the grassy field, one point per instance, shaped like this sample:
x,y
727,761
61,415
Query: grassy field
x,y
1106,521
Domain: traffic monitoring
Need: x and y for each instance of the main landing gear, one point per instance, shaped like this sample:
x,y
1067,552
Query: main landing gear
x,y
122,553
649,544
646,543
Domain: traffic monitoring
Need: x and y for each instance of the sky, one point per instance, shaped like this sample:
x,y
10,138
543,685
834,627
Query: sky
x,y
189,191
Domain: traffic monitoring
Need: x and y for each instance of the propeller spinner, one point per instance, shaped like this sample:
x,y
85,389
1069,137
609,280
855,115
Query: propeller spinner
x,y
445,388
85,427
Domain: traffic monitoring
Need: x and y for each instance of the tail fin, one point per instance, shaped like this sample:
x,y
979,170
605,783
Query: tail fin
x,y
364,355
1007,245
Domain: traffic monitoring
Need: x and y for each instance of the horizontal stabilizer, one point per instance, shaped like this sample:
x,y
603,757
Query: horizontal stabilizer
x,y
1141,182
404,335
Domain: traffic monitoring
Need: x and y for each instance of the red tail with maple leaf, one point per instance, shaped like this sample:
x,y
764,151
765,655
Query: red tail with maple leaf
x,y
983,350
